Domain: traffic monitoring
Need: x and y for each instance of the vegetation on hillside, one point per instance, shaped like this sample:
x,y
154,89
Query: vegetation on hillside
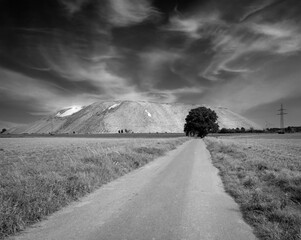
x,y
41,175
264,177
200,121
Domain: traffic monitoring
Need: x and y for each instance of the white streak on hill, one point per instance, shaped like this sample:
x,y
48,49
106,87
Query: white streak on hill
x,y
148,113
69,111
114,106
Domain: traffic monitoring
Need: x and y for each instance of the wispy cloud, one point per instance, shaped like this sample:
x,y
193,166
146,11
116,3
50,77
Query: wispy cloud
x,y
280,37
256,8
195,26
232,41
117,13
152,63
166,96
98,74
22,88
123,13
73,6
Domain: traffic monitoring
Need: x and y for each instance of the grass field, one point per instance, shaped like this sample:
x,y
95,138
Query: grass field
x,y
41,175
101,135
263,174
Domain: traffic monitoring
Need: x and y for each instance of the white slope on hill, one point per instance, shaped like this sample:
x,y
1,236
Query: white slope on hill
x,y
114,106
139,117
69,111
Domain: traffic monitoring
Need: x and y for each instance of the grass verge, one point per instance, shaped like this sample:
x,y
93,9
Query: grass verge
x,y
265,183
39,177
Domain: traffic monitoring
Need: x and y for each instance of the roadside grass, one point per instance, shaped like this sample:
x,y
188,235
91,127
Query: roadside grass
x,y
40,176
264,177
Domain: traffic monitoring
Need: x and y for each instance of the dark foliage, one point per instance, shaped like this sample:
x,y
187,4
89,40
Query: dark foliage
x,y
3,130
200,121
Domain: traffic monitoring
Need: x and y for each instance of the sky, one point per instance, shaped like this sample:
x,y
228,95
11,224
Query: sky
x,y
241,54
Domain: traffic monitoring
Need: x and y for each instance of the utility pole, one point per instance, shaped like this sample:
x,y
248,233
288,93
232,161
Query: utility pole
x,y
282,113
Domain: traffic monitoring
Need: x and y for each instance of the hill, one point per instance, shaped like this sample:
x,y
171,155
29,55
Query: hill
x,y
138,117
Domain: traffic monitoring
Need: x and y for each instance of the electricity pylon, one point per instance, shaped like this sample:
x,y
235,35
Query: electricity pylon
x,y
282,113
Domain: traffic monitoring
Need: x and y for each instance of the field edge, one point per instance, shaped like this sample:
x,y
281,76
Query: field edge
x,y
265,206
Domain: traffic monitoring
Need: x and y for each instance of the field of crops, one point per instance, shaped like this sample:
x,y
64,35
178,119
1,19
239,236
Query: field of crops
x,y
101,135
41,175
263,173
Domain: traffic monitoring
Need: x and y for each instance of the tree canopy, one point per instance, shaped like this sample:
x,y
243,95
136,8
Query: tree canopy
x,y
3,130
200,121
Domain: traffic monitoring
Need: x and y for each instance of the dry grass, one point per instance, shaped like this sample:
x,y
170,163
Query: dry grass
x,y
41,175
264,177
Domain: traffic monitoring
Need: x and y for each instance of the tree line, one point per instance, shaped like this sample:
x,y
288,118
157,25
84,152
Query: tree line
x,y
201,121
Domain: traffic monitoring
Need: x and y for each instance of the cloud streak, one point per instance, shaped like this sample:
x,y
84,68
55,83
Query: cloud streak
x,y
232,41
73,6
127,12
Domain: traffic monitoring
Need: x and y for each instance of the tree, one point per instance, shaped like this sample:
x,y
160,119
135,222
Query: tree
x,y
200,121
3,130
224,130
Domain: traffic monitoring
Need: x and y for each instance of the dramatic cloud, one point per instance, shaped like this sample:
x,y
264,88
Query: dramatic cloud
x,y
242,54
126,12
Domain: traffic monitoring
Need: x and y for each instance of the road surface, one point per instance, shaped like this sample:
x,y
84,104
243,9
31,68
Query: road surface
x,y
179,196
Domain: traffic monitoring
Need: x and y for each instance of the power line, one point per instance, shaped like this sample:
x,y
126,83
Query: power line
x,y
282,113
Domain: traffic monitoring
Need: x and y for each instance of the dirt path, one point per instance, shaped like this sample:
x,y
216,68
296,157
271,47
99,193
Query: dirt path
x,y
179,196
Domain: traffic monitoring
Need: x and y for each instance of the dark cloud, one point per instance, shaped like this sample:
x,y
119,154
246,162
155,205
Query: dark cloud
x,y
20,111
45,74
239,53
